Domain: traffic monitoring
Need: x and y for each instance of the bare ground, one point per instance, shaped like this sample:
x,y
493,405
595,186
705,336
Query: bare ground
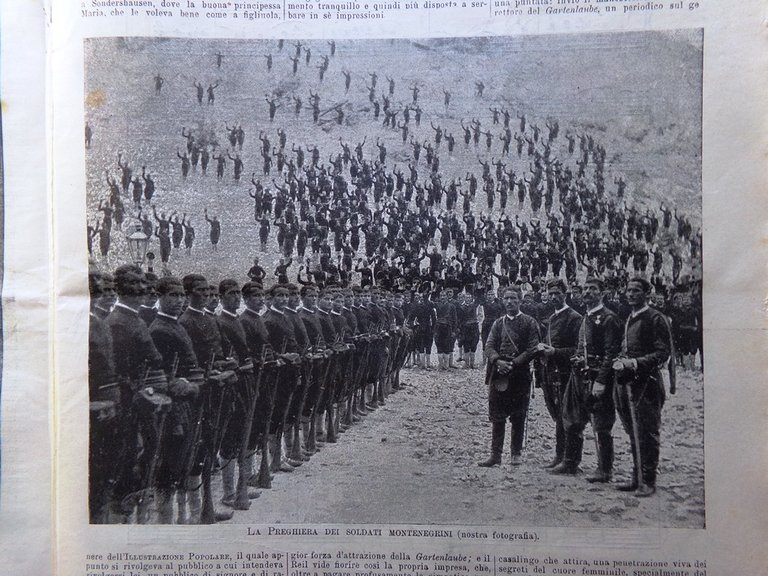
x,y
413,461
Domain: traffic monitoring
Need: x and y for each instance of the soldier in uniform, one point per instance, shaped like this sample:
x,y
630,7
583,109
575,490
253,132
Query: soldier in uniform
x,y
445,324
134,353
561,337
282,338
234,340
469,334
493,309
257,338
591,394
311,317
510,348
363,318
203,330
295,453
175,346
639,393
422,314
102,388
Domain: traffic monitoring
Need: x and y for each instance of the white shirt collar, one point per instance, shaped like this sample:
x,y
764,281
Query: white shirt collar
x,y
164,315
201,312
519,312
565,306
276,310
119,304
228,313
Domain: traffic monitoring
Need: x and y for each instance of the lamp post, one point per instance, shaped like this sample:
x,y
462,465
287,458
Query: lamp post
x,y
137,244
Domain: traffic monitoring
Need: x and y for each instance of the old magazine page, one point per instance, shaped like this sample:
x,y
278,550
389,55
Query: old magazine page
x,y
419,287
26,422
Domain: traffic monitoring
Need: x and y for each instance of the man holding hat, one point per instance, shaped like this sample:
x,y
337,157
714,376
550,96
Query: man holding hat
x,y
510,348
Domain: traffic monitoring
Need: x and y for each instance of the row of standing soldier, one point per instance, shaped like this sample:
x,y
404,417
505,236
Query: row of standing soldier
x,y
177,390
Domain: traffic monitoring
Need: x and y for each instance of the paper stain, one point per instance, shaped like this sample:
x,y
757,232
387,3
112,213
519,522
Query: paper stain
x,y
3,106
95,99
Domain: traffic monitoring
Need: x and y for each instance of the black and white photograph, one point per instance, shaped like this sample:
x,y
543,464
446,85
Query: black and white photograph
x,y
427,281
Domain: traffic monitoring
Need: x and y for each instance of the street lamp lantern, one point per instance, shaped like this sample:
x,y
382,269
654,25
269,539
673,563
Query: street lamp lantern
x,y
137,244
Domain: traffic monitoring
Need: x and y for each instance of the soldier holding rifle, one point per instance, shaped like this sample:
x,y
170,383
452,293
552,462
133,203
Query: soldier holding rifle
x,y
257,338
310,315
175,346
234,339
510,347
207,345
282,338
134,354
292,425
639,392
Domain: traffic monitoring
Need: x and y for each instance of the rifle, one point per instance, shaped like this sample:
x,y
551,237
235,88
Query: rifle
x,y
251,384
191,446
162,405
214,434
312,442
265,476
297,453
333,394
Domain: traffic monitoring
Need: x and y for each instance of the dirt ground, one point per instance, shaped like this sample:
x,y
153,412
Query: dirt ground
x,y
413,461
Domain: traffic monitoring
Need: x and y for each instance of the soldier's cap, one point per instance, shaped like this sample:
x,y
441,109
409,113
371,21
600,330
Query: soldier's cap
x,y
227,284
556,283
165,284
279,289
150,278
292,288
591,280
253,289
307,288
643,282
190,280
357,289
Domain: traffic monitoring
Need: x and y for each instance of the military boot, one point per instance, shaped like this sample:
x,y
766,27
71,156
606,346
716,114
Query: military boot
x,y
559,447
571,455
181,506
164,505
604,469
228,483
497,445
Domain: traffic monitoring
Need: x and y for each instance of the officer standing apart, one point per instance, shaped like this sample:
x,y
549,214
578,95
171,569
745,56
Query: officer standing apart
x,y
510,347
639,392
